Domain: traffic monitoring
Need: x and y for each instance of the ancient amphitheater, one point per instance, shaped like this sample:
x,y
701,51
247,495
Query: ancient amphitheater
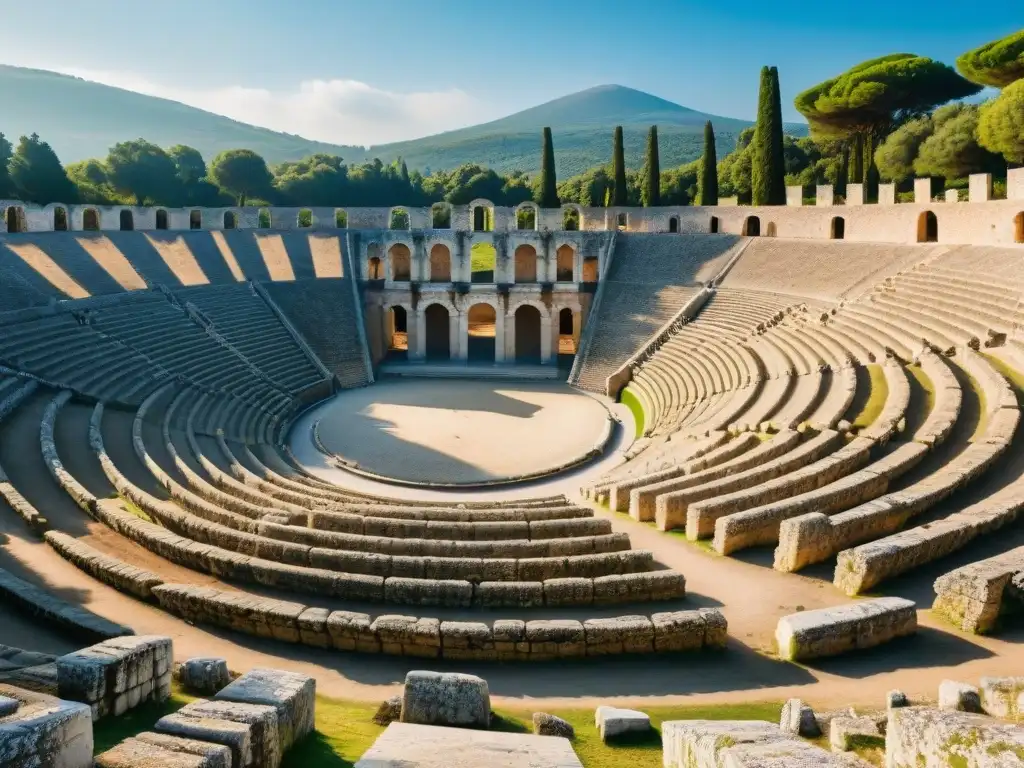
x,y
665,438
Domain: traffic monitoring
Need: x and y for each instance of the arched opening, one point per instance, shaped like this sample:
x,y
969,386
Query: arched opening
x,y
771,230
566,332
400,259
1018,228
837,229
528,334
399,219
751,226
305,218
482,328
230,221
90,220
590,274
127,222
565,264
397,332
927,228
673,224
483,218
161,219
571,219
440,264
713,227
622,221
374,269
482,262
13,217
264,219
195,220
526,217
341,219
526,264
60,219
441,216
438,341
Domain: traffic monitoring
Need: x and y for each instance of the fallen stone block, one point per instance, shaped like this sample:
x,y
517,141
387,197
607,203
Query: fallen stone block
x,y
896,699
832,631
1003,697
925,737
8,706
798,718
45,731
446,698
164,751
291,694
960,697
850,733
613,722
235,736
549,725
204,675
389,711
117,674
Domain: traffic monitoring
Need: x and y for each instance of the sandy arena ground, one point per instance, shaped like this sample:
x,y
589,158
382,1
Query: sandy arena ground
x,y
462,430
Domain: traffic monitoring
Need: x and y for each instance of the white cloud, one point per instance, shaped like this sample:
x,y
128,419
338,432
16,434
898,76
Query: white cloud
x,y
337,111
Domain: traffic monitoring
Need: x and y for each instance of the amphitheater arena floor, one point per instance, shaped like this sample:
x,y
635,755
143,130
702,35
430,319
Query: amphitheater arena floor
x,y
460,430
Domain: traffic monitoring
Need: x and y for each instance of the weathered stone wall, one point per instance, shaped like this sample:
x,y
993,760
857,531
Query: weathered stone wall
x,y
932,738
118,674
44,731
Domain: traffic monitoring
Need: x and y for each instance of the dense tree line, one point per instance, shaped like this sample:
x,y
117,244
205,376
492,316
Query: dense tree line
x,y
888,119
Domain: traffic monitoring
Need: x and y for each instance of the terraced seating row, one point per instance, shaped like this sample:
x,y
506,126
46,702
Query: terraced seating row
x,y
975,595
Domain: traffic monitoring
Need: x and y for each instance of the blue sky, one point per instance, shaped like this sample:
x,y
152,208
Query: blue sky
x,y
384,70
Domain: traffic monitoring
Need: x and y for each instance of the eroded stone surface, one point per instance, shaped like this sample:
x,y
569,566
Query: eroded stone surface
x,y
45,731
798,718
291,694
446,698
549,725
389,711
924,737
831,631
205,676
961,697
165,752
613,722
848,733
1003,696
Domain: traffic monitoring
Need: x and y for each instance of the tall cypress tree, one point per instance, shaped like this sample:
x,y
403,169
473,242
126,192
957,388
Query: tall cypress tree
x,y
707,185
651,193
620,195
777,179
767,173
548,182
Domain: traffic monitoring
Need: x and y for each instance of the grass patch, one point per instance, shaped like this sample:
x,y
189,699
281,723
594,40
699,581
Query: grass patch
x,y
111,731
872,392
482,262
135,510
629,400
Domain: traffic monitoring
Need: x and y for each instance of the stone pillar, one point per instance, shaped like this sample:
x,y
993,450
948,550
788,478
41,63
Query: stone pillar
x,y
499,336
824,194
952,196
855,194
462,344
922,191
545,339
1015,183
454,330
418,340
887,194
510,339
795,196
980,187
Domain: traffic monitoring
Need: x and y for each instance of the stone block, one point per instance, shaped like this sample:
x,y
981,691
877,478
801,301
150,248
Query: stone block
x,y
960,697
293,695
549,725
850,733
622,634
351,631
45,731
935,738
389,711
798,718
896,699
832,631
613,722
408,636
1002,696
205,675
156,750
103,674
8,706
446,698
233,735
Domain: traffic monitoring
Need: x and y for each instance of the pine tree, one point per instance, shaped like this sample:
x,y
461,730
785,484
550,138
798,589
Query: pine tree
x,y
6,151
767,173
37,175
651,194
548,181
707,187
620,194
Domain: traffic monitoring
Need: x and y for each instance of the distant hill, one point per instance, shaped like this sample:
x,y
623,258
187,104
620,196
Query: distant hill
x,y
82,119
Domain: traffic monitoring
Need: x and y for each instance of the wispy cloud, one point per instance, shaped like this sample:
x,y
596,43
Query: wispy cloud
x,y
337,111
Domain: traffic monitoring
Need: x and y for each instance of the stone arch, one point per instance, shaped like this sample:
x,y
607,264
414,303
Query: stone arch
x,y
590,269
481,328
568,330
771,230
483,262
91,220
195,219
528,333
398,219
837,228
927,227
230,220
60,219
525,264
265,219
751,226
161,218
341,218
441,216
15,217
482,215
673,224
622,221
396,330
713,226
527,216
538,305
374,262
126,221
1018,228
565,264
440,264
437,329
304,219
572,218
400,262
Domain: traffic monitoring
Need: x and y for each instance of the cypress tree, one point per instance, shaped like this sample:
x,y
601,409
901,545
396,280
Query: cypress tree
x,y
777,195
707,188
620,195
548,182
857,159
651,193
767,173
